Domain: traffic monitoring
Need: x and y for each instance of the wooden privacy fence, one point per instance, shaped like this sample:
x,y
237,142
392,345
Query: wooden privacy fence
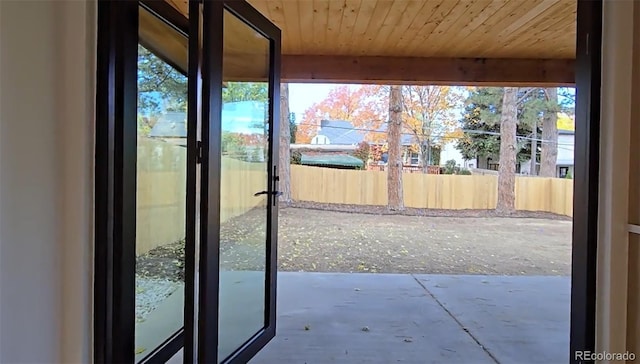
x,y
161,198
455,192
161,192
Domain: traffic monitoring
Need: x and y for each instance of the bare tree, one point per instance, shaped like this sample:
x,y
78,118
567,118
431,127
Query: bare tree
x,y
284,184
394,174
549,154
507,172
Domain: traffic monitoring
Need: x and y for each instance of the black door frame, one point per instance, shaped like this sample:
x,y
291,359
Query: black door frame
x,y
115,189
115,182
114,262
585,195
212,60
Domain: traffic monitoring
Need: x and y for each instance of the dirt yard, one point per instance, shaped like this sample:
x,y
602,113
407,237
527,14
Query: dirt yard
x,y
430,241
328,241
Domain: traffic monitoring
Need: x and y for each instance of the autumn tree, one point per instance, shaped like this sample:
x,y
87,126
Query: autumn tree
x,y
429,114
394,132
363,106
507,171
549,153
284,184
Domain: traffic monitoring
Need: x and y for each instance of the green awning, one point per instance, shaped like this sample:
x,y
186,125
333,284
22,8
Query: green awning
x,y
331,160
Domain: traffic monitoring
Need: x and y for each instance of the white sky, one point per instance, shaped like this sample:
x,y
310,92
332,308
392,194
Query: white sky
x,y
303,95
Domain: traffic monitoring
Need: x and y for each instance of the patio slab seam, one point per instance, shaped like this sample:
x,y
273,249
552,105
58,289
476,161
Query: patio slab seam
x,y
465,329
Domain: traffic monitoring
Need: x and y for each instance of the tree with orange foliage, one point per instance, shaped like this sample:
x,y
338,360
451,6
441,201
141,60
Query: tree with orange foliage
x,y
429,114
365,107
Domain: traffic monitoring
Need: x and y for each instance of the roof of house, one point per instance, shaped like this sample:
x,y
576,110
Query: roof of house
x,y
170,125
407,138
566,132
331,160
340,132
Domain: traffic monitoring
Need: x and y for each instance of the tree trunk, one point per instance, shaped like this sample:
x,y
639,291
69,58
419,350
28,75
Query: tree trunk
x,y
534,149
507,172
394,174
549,155
425,148
284,184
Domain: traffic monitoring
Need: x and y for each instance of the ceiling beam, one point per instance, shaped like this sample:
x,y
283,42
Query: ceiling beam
x,y
431,71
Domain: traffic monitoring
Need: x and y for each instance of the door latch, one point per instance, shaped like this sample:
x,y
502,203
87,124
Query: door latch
x,y
275,193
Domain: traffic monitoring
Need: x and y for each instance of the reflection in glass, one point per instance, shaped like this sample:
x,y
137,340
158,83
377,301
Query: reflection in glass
x,y
243,214
161,201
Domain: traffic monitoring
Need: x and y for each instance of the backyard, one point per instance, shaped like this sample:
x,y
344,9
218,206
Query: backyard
x,y
462,242
417,241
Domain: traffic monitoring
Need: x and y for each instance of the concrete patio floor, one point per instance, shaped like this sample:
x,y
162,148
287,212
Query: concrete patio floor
x,y
403,318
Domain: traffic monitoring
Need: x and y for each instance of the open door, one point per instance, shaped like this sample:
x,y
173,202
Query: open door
x,y
186,191
238,54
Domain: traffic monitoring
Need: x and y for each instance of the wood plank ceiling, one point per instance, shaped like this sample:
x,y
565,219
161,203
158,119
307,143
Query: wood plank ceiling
x,y
468,41
430,28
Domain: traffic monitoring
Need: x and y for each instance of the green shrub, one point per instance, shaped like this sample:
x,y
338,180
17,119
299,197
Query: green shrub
x,y
296,157
450,167
568,175
465,172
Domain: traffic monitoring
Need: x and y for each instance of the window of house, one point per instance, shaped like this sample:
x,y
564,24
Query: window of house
x,y
414,159
563,171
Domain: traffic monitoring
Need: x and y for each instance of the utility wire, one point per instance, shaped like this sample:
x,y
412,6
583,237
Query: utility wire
x,y
443,136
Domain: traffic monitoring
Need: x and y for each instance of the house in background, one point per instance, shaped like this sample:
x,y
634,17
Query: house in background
x,y
409,157
565,149
332,147
343,133
337,132
566,144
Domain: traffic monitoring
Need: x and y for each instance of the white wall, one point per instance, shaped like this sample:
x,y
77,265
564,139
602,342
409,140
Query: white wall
x,y
46,156
566,147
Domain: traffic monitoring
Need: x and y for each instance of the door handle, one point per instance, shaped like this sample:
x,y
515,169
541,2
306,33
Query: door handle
x,y
275,193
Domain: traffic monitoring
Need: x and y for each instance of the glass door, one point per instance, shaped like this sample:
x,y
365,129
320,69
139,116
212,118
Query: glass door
x,y
240,52
247,188
186,181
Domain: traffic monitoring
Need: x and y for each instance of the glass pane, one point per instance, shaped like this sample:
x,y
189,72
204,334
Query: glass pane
x,y
243,214
161,188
